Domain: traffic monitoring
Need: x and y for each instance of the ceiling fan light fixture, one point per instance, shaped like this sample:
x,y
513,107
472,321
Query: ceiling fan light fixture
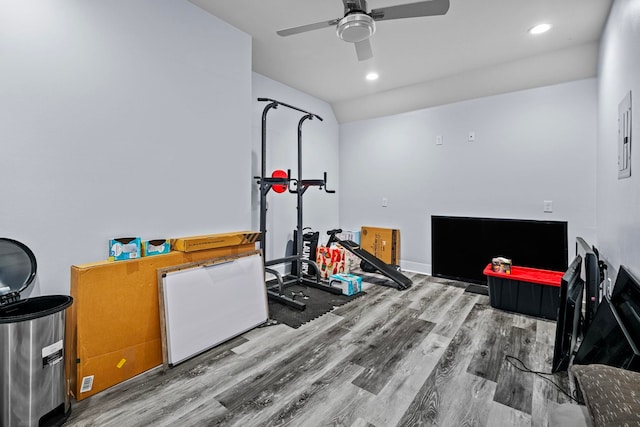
x,y
356,27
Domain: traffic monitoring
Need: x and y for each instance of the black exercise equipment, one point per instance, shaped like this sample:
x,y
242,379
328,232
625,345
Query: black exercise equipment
x,y
310,240
297,186
401,281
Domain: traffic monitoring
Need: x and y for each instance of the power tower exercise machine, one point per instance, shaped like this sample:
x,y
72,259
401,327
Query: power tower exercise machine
x,y
297,186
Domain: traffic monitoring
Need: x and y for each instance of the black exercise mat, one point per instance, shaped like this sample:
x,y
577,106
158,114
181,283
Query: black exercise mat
x,y
318,302
478,289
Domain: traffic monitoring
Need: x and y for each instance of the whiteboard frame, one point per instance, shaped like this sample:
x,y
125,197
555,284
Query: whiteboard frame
x,y
205,303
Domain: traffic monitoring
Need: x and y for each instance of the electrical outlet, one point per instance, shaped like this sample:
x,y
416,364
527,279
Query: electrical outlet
x,y
548,206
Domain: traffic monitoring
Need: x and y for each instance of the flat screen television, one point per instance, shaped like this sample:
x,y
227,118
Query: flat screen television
x,y
625,299
461,247
607,341
602,267
614,335
591,276
568,324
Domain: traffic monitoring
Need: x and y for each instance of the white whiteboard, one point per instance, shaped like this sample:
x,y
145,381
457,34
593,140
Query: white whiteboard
x,y
207,305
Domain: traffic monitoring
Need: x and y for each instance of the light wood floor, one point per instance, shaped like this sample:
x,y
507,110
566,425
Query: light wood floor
x,y
430,355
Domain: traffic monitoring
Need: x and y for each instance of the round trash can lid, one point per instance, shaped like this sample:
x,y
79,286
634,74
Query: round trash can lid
x,y
17,266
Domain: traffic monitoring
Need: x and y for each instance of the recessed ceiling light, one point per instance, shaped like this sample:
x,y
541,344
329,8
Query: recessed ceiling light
x,y
372,76
540,28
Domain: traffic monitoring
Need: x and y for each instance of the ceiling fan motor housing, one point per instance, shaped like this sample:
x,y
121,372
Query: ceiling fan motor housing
x,y
356,27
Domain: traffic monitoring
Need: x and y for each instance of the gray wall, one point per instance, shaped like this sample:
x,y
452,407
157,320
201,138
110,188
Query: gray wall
x,y
531,146
618,201
319,155
120,118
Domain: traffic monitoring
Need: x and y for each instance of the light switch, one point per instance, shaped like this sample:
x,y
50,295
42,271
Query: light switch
x,y
438,139
472,136
384,202
548,206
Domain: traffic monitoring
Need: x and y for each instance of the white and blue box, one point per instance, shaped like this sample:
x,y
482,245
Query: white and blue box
x,y
354,236
349,283
156,247
122,248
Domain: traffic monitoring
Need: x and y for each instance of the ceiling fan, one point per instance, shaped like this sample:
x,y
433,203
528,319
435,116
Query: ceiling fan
x,y
358,25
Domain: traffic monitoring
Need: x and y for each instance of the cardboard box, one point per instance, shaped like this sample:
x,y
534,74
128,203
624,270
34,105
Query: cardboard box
x,y
210,241
122,248
113,327
383,243
349,283
156,247
501,265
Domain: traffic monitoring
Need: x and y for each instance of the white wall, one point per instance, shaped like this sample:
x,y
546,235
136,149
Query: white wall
x,y
132,118
319,155
119,118
618,201
531,146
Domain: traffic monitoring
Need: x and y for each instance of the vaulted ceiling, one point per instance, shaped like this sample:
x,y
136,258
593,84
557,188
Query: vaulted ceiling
x,y
478,48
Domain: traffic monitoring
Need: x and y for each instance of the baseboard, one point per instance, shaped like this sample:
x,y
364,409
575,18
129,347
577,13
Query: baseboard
x,y
415,267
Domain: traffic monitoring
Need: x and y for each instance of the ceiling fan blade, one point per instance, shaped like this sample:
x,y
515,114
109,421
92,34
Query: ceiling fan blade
x,y
410,10
308,27
363,50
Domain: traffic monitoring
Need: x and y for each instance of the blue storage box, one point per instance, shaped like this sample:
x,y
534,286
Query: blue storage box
x,y
349,283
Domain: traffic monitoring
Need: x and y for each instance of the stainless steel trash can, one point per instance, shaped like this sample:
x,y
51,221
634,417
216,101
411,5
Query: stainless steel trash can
x,y
32,368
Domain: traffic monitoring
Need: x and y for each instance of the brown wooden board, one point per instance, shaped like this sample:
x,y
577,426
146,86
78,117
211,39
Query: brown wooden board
x,y
515,387
210,241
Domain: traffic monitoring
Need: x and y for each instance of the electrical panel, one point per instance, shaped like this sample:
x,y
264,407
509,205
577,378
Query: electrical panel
x,y
624,137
